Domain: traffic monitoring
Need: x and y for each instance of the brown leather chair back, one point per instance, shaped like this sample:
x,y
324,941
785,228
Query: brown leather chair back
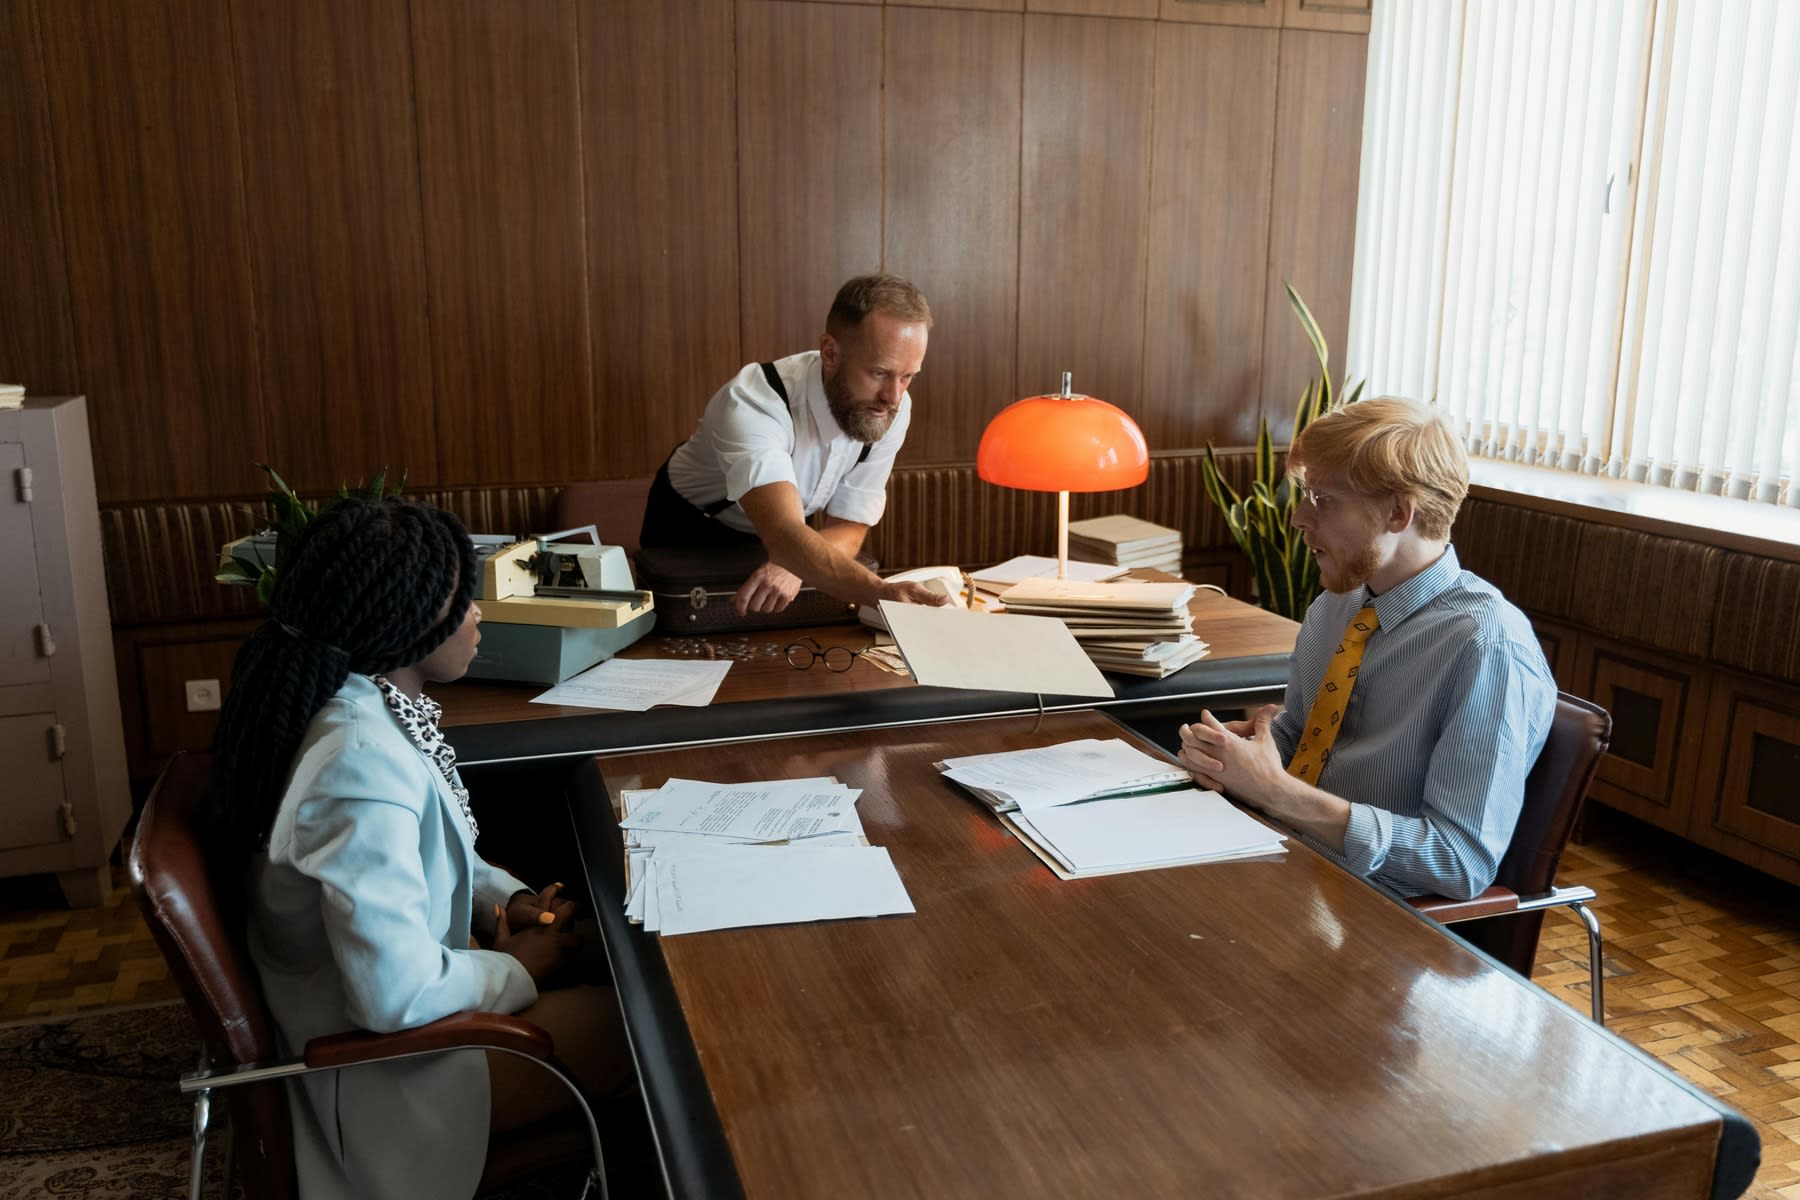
x,y
197,922
1554,791
614,507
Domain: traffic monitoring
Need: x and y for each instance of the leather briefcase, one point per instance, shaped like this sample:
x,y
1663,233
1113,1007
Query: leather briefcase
x,y
693,586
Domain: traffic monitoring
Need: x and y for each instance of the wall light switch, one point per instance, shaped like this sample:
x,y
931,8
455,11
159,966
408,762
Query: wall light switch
x,y
202,695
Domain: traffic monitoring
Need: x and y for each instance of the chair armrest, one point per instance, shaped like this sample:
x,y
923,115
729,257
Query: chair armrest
x,y
472,1030
1494,902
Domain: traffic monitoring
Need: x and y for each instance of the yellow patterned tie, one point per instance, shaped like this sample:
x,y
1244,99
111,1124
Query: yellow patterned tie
x,y
1327,714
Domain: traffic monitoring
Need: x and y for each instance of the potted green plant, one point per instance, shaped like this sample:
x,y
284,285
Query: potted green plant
x,y
1285,573
255,560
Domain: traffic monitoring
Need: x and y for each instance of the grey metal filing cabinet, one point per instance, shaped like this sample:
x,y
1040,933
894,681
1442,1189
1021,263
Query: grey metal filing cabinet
x,y
64,794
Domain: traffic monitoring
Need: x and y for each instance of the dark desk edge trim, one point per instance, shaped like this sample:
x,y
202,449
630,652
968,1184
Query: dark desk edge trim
x,y
690,1139
612,732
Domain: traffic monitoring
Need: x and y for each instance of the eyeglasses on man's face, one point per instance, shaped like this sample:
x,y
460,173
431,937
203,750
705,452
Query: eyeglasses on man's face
x,y
801,655
1315,498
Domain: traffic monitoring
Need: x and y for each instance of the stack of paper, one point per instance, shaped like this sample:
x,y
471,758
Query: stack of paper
x,y
704,856
12,395
1129,627
991,581
1142,833
1126,542
1048,776
1094,807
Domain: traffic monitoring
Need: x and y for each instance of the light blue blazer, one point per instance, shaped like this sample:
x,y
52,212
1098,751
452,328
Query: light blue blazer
x,y
359,919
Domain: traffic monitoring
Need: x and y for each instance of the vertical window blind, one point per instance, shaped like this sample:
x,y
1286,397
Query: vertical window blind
x,y
1578,232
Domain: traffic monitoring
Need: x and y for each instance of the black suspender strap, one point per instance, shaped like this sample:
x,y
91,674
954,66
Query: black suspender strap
x,y
774,378
780,388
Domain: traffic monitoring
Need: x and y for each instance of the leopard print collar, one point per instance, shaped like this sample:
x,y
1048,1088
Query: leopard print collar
x,y
419,718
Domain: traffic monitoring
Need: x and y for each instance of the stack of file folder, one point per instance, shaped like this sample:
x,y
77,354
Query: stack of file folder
x,y
1127,542
702,856
1125,626
1103,808
989,582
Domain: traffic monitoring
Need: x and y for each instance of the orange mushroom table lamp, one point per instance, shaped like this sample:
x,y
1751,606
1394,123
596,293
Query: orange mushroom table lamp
x,y
1063,443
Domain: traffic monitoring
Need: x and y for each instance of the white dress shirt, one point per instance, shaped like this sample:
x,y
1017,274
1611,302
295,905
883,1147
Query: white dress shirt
x,y
748,437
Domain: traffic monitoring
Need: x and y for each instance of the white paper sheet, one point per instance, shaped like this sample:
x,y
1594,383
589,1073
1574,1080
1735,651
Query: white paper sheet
x,y
1046,776
999,652
773,885
635,684
1164,827
1036,566
765,812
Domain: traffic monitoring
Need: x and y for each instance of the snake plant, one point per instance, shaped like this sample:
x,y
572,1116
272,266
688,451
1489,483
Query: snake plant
x,y
1261,522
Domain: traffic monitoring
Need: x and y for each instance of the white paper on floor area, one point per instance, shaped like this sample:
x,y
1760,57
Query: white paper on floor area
x,y
995,652
635,684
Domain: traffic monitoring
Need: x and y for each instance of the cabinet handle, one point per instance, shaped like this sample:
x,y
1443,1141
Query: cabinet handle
x,y
68,818
59,741
22,479
46,643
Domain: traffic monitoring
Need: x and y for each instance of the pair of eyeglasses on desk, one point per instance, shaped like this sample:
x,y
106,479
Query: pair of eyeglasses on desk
x,y
801,655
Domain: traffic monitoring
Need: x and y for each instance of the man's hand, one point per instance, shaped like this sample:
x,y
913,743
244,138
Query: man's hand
x,y
1242,760
770,589
913,593
1238,758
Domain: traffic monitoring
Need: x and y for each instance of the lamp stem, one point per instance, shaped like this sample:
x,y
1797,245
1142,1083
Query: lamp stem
x,y
1062,535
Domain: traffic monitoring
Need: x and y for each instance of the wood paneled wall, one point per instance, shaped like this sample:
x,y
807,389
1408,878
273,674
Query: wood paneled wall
x,y
522,241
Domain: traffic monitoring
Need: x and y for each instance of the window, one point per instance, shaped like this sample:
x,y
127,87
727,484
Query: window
x,y
1578,231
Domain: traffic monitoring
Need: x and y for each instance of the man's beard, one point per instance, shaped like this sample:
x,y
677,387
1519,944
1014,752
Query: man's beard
x,y
859,421
1347,576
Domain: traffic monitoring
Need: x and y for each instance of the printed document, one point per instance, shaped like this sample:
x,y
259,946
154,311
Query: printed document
x,y
635,684
784,810
1047,776
771,885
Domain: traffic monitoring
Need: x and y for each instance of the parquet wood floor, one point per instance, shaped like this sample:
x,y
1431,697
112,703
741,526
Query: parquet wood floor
x,y
55,960
1702,968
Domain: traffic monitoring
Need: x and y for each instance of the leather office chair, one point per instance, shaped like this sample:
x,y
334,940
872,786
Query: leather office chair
x,y
614,507
1512,911
206,952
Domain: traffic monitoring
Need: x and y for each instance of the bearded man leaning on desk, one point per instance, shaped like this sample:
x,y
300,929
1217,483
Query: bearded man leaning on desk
x,y
1417,697
783,440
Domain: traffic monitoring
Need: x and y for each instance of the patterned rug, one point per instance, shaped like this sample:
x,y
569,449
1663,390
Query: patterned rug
x,y
91,1108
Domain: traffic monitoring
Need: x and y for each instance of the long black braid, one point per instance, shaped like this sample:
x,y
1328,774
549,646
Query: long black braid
x,y
361,592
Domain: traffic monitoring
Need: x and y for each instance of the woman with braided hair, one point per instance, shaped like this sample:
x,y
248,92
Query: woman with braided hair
x,y
335,788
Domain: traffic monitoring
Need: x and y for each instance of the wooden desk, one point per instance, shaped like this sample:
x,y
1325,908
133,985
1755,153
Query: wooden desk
x,y
763,696
1258,1029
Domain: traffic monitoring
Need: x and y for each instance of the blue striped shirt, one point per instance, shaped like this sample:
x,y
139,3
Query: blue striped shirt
x,y
1450,707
